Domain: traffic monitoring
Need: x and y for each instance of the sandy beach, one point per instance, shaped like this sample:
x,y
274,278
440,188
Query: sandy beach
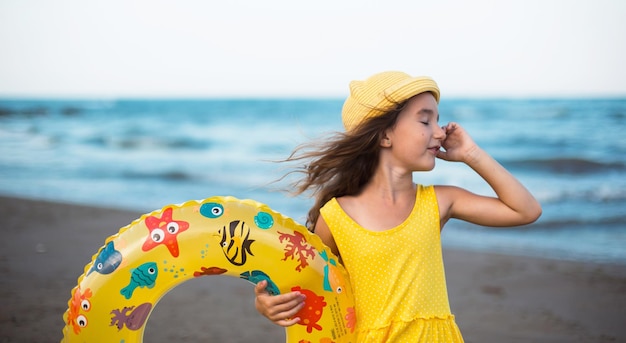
x,y
496,298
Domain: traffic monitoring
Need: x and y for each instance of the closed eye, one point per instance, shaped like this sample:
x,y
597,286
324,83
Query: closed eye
x,y
427,115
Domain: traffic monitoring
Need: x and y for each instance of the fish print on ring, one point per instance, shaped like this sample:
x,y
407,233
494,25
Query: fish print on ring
x,y
236,242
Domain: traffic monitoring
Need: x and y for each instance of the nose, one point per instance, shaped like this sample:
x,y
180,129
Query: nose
x,y
440,133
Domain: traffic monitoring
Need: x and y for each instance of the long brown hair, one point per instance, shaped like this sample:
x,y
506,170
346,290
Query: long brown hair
x,y
342,164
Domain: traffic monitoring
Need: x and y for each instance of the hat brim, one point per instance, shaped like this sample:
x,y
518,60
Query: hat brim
x,y
374,103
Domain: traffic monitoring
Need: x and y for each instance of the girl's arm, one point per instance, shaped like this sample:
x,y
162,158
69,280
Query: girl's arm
x,y
282,308
514,205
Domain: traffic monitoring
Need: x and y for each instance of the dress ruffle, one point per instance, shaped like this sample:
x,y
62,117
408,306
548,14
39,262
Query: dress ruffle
x,y
427,330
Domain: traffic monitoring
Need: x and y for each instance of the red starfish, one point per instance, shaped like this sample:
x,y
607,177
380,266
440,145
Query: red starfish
x,y
164,231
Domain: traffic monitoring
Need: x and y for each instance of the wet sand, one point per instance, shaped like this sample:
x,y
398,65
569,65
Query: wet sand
x,y
496,298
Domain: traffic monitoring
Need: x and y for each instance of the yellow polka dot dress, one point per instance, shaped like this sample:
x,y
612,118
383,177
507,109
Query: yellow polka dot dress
x,y
397,275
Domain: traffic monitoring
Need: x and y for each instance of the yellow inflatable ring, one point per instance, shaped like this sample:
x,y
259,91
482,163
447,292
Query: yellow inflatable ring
x,y
219,235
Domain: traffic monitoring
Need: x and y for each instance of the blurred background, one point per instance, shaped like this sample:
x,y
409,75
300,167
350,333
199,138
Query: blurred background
x,y
140,104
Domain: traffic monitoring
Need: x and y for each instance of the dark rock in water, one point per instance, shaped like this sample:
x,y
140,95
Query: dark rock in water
x,y
6,112
33,111
70,111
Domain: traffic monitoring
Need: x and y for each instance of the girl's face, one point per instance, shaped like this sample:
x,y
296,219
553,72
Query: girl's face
x,y
413,142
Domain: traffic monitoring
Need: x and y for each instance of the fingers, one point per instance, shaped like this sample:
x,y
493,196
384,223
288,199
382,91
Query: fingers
x,y
457,146
288,322
259,288
450,127
288,318
280,309
442,154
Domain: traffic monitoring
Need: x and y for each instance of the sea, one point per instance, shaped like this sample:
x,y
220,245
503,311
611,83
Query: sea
x,y
144,154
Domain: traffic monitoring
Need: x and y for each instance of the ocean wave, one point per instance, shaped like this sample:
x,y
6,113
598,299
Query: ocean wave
x,y
572,166
30,110
167,178
164,175
144,142
618,221
605,194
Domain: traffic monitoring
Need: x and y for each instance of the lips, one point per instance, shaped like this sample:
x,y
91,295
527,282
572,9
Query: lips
x,y
434,149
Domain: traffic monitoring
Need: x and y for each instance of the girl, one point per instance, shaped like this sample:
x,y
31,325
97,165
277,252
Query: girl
x,y
385,228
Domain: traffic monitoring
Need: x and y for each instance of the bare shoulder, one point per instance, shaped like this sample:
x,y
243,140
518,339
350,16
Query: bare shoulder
x,y
446,196
323,231
347,202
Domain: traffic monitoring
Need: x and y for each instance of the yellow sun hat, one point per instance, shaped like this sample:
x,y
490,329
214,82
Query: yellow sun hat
x,y
380,93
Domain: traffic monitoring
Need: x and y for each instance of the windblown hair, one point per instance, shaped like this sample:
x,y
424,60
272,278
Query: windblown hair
x,y
342,165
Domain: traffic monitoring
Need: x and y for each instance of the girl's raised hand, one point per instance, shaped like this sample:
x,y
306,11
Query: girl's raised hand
x,y
458,146
281,308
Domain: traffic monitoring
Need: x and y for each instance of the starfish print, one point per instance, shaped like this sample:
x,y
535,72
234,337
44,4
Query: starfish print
x,y
164,231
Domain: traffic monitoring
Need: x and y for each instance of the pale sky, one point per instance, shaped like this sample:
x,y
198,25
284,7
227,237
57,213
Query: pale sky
x,y
207,48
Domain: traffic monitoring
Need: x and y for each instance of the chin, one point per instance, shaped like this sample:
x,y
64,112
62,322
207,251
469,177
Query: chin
x,y
432,165
425,168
